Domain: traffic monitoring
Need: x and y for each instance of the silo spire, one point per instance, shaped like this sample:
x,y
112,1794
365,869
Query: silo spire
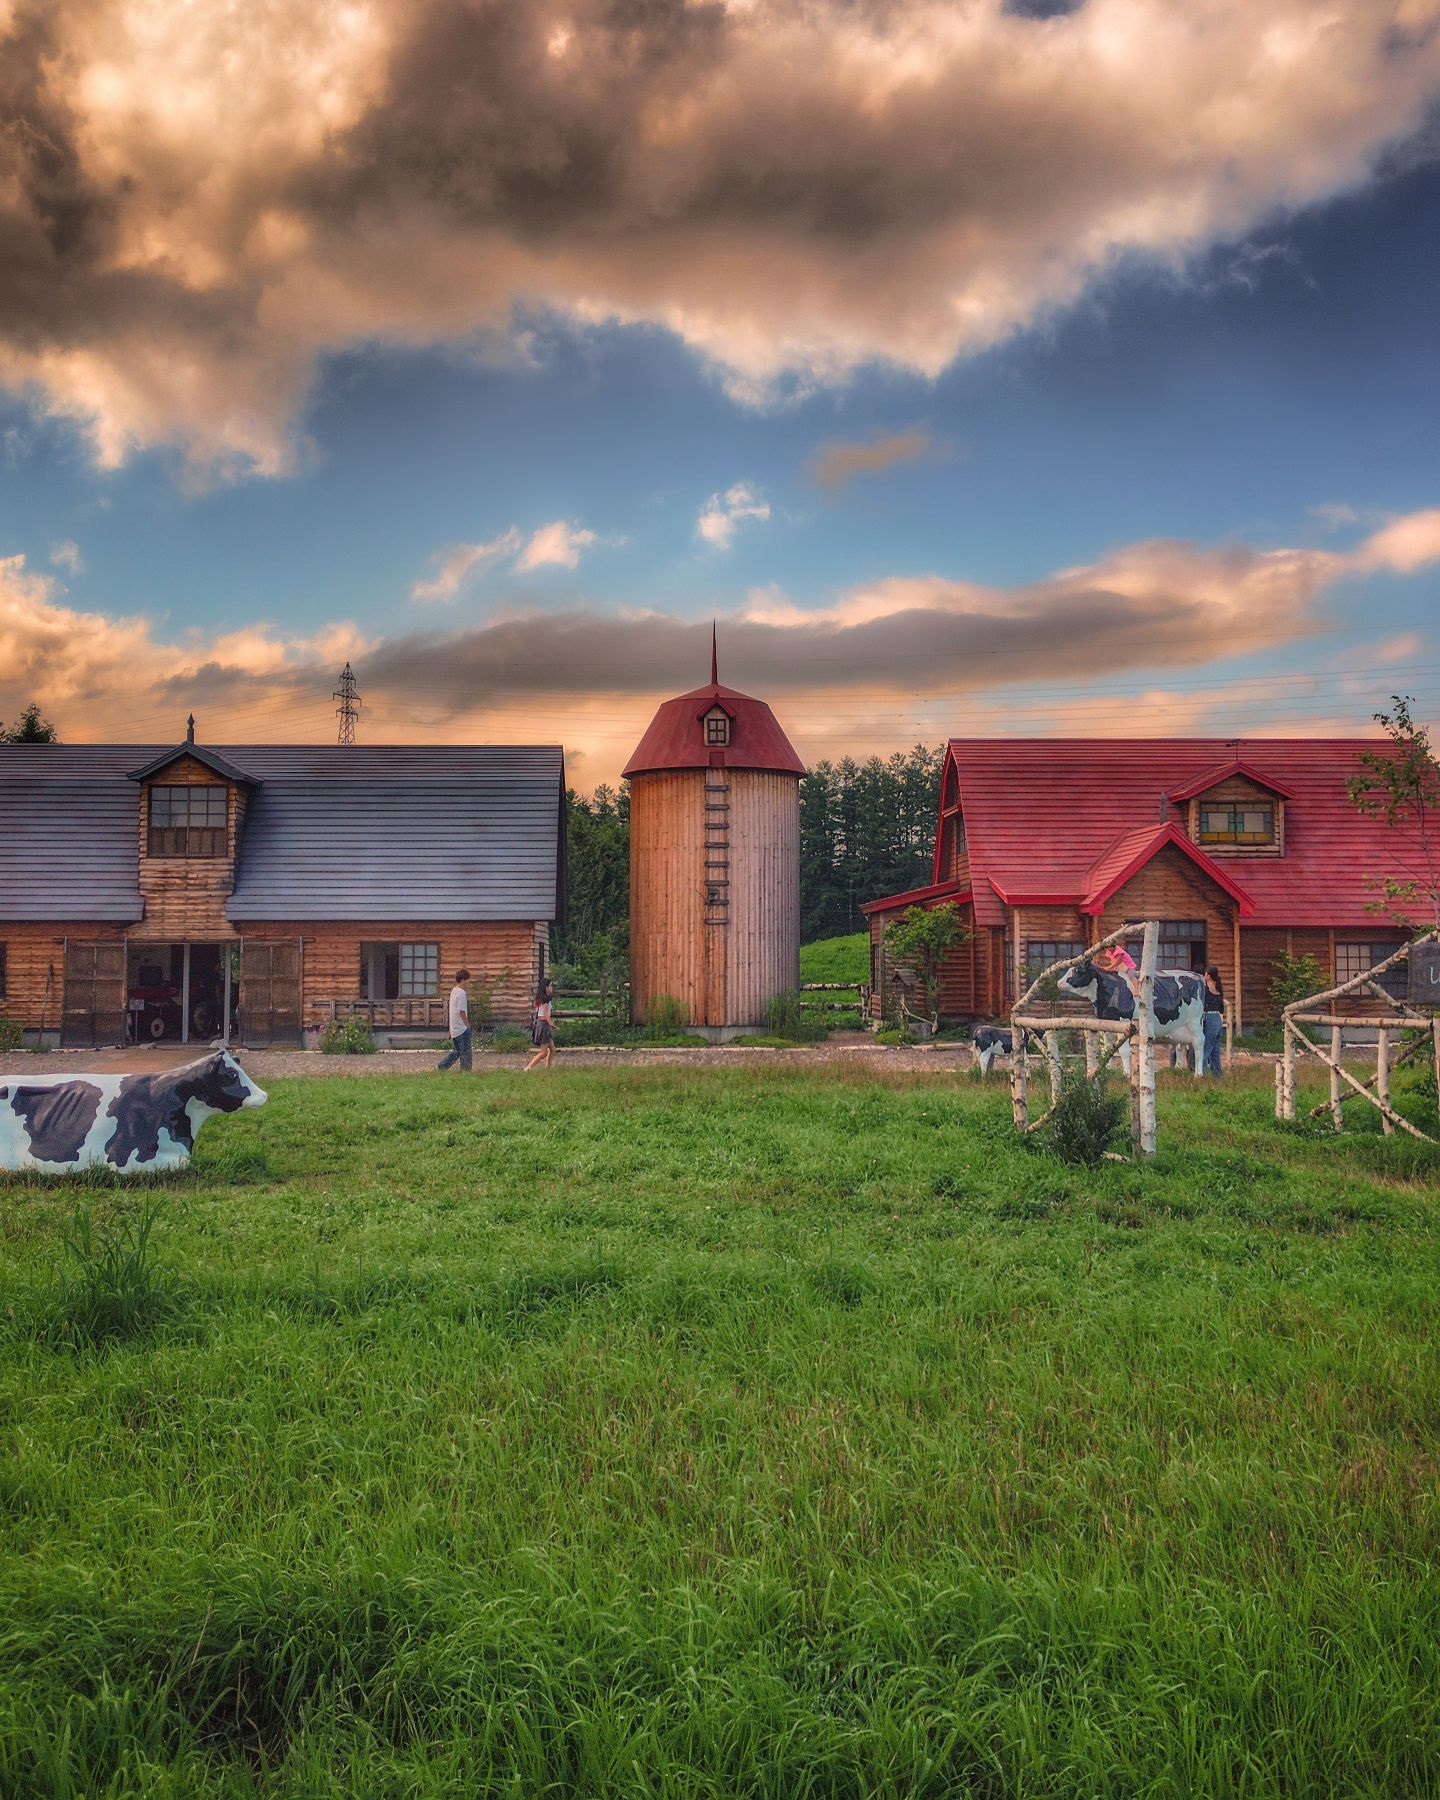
x,y
714,657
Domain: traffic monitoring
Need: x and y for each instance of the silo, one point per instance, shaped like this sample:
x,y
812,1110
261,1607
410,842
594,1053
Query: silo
x,y
714,860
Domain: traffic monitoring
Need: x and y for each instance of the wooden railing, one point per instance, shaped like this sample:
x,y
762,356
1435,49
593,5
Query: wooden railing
x,y
424,1013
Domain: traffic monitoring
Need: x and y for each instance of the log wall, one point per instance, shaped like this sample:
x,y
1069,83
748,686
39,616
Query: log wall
x,y
1238,790
185,896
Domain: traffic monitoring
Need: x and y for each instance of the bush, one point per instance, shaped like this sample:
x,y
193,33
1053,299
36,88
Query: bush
x,y
786,1018
12,1034
116,1289
1086,1119
668,1017
349,1037
1293,978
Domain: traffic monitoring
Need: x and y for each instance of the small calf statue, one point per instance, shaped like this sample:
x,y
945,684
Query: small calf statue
x,y
990,1041
1178,1014
135,1124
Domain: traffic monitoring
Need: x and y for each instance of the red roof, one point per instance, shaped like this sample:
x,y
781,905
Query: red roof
x,y
676,738
1210,778
1130,852
1058,819
957,891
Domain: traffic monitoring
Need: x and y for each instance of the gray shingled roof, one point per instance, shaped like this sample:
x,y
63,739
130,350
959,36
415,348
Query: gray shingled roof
x,y
361,832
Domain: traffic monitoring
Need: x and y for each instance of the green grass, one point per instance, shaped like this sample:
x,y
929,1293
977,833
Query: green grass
x,y
836,959
692,1432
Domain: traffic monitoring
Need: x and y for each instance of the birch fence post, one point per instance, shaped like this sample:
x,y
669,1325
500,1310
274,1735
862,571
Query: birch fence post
x,y
1336,1112
1382,1078
1019,1094
1052,1065
1144,1052
1287,1074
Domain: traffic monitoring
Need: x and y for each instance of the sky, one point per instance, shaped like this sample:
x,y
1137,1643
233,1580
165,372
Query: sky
x,y
980,368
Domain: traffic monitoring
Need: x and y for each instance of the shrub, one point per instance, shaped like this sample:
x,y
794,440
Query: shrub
x,y
1086,1119
12,1033
786,1018
349,1037
1293,978
482,1001
668,1016
116,1289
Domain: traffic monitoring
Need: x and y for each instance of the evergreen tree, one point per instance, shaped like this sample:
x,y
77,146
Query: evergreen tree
x,y
29,728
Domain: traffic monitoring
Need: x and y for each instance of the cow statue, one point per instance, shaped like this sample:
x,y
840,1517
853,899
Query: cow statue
x,y
990,1041
1178,1013
134,1124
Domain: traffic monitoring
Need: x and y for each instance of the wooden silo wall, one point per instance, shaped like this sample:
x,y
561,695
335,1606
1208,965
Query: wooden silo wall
x,y
667,891
672,951
764,932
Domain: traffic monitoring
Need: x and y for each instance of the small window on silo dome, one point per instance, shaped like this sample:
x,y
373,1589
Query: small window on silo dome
x,y
717,728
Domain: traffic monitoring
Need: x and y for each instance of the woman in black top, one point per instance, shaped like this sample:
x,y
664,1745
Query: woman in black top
x,y
1214,1020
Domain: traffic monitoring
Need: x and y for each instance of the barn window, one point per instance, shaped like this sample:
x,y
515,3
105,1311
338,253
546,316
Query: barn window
x,y
399,971
1355,957
717,728
1182,944
188,821
1041,952
1249,824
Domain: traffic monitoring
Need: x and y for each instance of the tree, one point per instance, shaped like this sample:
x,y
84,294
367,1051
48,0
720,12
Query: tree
x,y
920,940
1402,787
29,728
866,829
597,860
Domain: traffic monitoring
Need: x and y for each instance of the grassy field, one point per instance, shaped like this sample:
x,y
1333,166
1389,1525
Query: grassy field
x,y
727,1432
836,959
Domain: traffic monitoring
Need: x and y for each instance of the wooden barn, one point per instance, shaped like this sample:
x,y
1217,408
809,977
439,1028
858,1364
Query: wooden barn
x,y
1243,851
714,860
258,891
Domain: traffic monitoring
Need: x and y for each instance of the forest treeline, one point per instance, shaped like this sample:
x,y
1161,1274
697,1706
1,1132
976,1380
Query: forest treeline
x,y
866,829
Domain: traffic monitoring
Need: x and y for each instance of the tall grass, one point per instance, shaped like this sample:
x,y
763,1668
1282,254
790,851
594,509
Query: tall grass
x,y
734,1433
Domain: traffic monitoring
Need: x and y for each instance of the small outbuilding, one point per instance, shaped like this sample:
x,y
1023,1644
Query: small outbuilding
x,y
714,860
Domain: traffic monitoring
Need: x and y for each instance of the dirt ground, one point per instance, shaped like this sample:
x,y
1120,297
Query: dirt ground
x,y
270,1065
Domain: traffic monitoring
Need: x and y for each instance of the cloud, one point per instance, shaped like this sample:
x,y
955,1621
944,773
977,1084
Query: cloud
x,y
1403,546
721,513
930,653
455,566
559,542
835,464
794,189
67,556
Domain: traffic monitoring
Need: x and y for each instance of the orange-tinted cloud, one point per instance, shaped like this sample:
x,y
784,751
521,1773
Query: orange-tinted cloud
x,y
835,465
197,203
897,658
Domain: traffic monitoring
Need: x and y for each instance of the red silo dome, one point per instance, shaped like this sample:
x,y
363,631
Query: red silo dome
x,y
678,738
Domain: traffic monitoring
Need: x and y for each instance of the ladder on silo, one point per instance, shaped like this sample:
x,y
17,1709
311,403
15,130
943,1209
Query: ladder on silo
x,y
717,848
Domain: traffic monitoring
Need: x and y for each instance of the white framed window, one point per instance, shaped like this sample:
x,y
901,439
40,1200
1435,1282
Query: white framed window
x,y
717,728
399,971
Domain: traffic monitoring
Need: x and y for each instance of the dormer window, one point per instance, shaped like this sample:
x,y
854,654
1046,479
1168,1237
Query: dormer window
x,y
717,728
188,820
1227,824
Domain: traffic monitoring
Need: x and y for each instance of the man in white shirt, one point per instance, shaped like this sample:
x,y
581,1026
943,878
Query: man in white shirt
x,y
459,1024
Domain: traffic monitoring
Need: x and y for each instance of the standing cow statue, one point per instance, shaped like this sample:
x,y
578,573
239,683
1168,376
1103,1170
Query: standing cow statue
x,y
1177,1015
134,1124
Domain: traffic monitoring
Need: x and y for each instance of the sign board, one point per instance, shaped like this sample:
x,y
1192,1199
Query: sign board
x,y
1424,963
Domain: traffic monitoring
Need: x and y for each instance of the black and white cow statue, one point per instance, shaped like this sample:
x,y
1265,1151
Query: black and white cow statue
x,y
990,1041
136,1124
1178,1014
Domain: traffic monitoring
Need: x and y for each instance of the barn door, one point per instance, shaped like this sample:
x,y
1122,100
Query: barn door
x,y
94,1011
269,993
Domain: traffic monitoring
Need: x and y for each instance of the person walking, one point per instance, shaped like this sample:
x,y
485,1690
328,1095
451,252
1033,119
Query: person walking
x,y
460,1038
1213,1021
543,1035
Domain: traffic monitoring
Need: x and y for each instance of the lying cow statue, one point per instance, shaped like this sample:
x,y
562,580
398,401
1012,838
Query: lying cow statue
x,y
1178,1015
135,1124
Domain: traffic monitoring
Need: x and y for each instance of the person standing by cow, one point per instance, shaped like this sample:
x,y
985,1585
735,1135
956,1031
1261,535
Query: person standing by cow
x,y
1214,1020
460,1036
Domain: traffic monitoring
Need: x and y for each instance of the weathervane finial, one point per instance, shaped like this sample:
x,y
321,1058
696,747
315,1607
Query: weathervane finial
x,y
190,729
714,657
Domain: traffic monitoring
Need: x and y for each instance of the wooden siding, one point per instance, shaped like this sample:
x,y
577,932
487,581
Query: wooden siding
x,y
1170,887
35,956
504,955
185,895
1238,789
723,974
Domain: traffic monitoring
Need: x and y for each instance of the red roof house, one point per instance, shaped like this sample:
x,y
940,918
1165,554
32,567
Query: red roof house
x,y
1243,850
